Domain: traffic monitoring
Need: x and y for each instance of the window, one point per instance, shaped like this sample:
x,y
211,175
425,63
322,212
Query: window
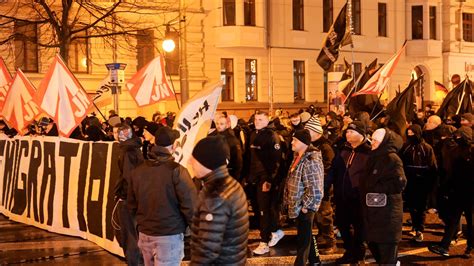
x,y
145,48
26,47
432,23
298,15
249,12
356,17
78,60
417,22
251,79
467,27
298,79
227,76
357,70
327,14
383,19
228,8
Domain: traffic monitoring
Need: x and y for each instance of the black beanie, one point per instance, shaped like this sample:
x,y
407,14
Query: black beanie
x,y
165,136
212,152
358,126
152,127
303,136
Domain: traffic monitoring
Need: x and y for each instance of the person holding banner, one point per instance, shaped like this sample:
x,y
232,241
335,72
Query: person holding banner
x,y
162,195
129,158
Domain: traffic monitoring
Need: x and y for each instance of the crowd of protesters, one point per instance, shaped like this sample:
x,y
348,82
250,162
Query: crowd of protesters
x,y
307,169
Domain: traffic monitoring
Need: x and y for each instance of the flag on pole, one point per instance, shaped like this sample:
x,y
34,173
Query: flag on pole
x,y
150,84
440,87
5,81
377,83
61,96
401,109
103,95
457,101
20,109
194,121
338,35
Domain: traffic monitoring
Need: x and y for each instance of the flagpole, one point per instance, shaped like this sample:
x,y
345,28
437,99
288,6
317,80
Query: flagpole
x,y
101,114
172,84
462,95
351,27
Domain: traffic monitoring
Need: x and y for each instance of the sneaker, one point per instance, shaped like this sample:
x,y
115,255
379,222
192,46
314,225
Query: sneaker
x,y
439,250
262,249
418,237
276,236
467,254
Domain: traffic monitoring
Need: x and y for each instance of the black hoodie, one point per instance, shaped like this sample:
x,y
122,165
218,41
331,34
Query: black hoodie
x,y
418,156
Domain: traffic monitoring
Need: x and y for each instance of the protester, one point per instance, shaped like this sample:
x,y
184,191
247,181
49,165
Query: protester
x,y
162,196
296,122
220,225
129,158
345,174
381,191
236,160
324,216
420,168
304,192
265,156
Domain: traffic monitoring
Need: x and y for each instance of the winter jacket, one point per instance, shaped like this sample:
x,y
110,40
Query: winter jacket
x,y
305,183
130,157
162,195
384,174
347,169
265,155
236,160
220,224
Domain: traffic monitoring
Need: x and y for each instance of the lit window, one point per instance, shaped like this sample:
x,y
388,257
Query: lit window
x,y
299,80
227,77
251,79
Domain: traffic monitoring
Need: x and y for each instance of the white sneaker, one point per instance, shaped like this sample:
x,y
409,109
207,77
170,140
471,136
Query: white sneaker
x,y
262,249
276,236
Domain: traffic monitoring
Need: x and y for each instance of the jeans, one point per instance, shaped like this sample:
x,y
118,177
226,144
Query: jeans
x,y
161,250
306,247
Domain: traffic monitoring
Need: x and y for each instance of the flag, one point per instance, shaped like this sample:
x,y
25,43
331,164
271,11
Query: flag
x,y
61,96
377,83
440,87
401,109
20,109
103,95
338,35
194,121
150,84
368,71
347,71
457,101
5,81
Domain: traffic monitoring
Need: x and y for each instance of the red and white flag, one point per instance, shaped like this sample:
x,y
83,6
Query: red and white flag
x,y
377,83
5,81
20,109
150,84
61,96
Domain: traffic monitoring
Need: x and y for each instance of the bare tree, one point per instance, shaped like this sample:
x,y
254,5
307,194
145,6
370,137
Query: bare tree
x,y
67,20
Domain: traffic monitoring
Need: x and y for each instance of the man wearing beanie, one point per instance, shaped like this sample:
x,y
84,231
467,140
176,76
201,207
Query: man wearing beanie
x,y
324,216
220,225
303,194
162,195
347,169
265,156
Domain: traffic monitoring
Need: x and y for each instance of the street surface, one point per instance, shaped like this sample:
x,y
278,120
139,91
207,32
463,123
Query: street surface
x,y
23,244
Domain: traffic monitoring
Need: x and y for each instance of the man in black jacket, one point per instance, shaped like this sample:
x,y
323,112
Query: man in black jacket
x,y
162,195
220,224
325,239
235,162
129,158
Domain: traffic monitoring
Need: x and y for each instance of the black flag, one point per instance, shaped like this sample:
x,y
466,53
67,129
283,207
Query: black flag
x,y
338,35
402,109
365,102
457,101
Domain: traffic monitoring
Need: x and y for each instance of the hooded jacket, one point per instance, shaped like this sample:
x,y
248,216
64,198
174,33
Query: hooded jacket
x,y
384,174
162,195
220,225
235,148
130,157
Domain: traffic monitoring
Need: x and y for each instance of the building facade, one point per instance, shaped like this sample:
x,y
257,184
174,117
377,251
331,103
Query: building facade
x,y
265,50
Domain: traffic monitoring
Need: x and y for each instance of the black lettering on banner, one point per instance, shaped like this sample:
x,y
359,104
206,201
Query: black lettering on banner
x,y
2,147
49,176
96,178
67,150
20,194
82,186
114,176
32,185
10,149
15,174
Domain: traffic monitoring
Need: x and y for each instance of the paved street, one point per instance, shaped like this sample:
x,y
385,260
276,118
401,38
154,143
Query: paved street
x,y
22,244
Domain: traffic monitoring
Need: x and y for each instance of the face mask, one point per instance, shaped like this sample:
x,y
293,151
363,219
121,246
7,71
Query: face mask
x,y
412,139
125,135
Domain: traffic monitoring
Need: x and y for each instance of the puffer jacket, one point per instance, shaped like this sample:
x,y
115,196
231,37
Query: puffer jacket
x,y
305,183
220,225
384,175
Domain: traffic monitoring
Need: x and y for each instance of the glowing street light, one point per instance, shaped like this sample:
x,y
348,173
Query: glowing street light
x,y
168,45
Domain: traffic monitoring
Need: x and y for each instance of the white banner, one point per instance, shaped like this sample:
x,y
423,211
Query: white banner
x,y
194,121
61,185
